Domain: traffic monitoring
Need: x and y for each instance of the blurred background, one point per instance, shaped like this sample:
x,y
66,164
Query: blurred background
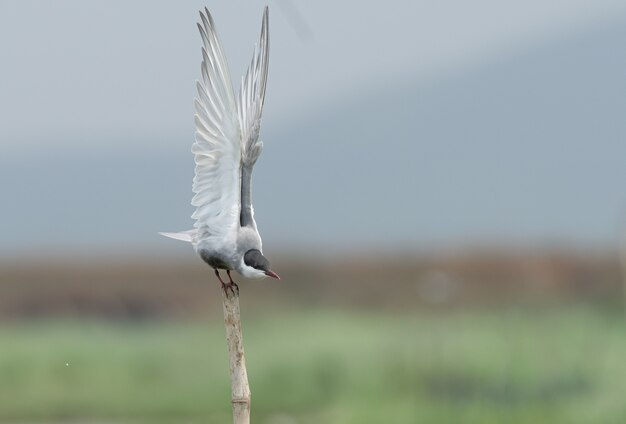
x,y
442,191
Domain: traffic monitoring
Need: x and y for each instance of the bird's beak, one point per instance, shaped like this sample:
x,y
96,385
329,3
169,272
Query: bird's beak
x,y
272,274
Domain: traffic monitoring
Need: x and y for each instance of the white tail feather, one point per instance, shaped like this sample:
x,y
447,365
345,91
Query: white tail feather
x,y
182,236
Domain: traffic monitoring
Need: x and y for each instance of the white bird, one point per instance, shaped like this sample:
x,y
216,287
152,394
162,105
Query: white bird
x,y
226,148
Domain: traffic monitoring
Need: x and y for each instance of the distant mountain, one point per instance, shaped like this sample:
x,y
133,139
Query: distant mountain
x,y
527,148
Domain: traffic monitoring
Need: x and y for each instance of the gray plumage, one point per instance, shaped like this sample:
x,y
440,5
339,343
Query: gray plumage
x,y
226,148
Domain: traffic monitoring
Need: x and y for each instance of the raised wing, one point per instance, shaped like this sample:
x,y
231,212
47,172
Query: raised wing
x,y
217,146
249,109
252,96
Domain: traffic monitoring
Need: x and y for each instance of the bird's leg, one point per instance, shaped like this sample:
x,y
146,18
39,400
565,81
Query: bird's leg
x,y
227,286
232,283
224,285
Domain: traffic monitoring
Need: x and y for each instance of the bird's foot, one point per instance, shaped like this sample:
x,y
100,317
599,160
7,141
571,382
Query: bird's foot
x,y
227,286
232,286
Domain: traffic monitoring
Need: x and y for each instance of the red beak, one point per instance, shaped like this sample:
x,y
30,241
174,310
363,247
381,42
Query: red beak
x,y
272,274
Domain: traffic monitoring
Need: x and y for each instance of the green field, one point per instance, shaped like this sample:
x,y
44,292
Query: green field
x,y
566,365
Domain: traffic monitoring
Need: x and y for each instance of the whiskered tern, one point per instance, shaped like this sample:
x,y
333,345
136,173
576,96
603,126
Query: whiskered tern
x,y
226,148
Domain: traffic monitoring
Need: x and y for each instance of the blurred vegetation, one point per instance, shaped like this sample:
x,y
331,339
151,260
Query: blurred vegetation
x,y
163,288
475,337
514,365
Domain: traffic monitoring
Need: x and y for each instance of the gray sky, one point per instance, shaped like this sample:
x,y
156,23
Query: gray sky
x,y
111,67
520,99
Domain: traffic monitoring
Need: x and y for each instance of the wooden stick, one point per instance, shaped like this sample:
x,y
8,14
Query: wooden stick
x,y
240,390
622,261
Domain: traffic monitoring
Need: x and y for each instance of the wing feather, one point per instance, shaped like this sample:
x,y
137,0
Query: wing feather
x,y
217,145
249,110
252,96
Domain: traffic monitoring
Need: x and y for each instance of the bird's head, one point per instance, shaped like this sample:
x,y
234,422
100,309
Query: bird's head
x,y
255,265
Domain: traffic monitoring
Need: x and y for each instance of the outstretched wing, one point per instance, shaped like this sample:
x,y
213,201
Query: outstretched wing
x,y
249,108
217,146
252,96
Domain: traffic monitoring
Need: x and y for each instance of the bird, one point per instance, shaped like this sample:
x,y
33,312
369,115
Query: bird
x,y
226,148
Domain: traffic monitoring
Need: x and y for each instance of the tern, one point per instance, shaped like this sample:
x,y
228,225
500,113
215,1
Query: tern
x,y
226,147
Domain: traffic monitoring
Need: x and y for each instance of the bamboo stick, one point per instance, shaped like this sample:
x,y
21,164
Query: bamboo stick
x,y
622,261
240,390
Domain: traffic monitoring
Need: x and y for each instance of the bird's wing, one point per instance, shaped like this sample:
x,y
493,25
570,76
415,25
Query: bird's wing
x,y
249,109
217,146
252,96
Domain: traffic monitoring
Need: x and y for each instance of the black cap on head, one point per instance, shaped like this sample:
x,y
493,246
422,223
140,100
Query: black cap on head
x,y
255,259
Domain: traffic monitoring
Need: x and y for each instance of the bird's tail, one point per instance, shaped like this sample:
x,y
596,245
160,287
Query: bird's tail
x,y
187,236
